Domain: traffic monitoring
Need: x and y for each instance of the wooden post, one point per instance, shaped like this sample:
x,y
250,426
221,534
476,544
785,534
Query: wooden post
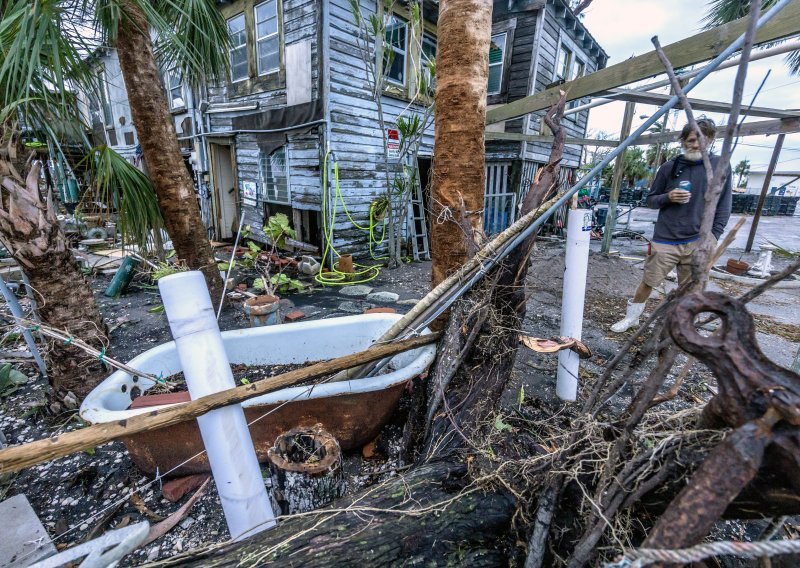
x,y
773,162
619,164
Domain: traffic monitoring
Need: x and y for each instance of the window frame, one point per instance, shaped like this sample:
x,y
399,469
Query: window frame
x,y
265,161
276,34
502,64
173,71
245,45
508,27
566,67
387,46
424,60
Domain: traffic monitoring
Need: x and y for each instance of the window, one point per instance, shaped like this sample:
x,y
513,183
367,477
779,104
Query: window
x,y
274,181
428,62
267,38
564,63
99,103
394,57
496,51
175,89
238,52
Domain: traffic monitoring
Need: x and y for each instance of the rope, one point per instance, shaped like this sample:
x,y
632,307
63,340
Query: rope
x,y
645,556
362,273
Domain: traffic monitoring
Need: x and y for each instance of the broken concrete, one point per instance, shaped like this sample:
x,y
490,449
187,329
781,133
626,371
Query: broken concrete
x,y
358,291
383,297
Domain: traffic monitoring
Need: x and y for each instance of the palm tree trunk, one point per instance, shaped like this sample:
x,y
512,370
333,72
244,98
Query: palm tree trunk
x,y
159,141
31,233
464,30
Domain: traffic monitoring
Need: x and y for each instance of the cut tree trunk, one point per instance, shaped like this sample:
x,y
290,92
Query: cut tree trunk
x,y
423,518
159,141
30,231
459,184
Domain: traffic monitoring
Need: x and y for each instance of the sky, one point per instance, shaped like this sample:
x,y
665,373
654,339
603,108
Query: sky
x,y
624,28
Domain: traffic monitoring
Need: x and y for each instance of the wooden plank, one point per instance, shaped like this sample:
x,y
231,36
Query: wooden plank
x,y
16,458
511,136
689,51
779,126
658,99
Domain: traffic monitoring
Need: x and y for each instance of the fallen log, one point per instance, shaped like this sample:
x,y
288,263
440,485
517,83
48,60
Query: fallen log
x,y
430,516
26,455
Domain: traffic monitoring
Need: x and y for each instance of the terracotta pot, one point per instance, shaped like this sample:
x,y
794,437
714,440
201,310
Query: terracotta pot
x,y
736,267
263,310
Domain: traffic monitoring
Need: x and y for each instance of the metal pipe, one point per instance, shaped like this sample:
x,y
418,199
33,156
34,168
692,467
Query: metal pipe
x,y
16,311
224,431
425,318
764,54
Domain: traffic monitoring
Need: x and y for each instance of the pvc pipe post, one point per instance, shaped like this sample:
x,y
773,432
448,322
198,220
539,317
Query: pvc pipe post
x,y
576,260
226,437
16,311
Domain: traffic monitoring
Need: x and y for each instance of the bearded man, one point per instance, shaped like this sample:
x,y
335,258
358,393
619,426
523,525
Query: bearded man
x,y
678,192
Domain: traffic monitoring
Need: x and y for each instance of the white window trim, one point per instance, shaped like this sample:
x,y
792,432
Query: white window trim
x,y
261,174
230,51
277,34
396,50
577,55
424,60
170,88
501,64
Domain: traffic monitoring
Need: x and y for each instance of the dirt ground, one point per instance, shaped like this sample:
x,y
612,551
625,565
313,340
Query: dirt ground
x,y
79,496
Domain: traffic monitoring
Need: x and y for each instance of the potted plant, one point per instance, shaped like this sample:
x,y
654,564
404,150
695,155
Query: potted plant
x,y
264,310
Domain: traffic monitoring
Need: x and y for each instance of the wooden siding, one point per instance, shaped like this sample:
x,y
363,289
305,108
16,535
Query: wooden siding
x,y
356,137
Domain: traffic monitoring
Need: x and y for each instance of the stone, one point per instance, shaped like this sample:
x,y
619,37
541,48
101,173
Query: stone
x,y
25,541
153,553
380,311
295,315
174,489
357,291
354,307
383,297
408,302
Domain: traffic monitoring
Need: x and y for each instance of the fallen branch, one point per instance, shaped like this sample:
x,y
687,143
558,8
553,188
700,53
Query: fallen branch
x,y
26,455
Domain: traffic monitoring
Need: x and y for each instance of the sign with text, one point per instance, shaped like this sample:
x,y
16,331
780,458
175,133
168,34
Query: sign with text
x,y
393,143
249,193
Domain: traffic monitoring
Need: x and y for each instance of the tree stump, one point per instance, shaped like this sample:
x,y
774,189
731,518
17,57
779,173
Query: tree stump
x,y
306,466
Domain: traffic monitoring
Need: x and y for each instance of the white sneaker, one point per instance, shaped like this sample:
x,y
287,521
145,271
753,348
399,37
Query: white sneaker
x,y
631,318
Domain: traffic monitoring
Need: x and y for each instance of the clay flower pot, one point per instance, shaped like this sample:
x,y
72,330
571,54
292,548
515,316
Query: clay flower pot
x,y
263,310
736,267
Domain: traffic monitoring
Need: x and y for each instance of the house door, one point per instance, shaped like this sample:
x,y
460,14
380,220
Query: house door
x,y
226,192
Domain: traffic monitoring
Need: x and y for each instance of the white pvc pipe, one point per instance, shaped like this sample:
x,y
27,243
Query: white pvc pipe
x,y
576,260
225,435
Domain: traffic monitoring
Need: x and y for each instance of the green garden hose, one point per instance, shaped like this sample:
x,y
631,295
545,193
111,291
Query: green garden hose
x,y
361,273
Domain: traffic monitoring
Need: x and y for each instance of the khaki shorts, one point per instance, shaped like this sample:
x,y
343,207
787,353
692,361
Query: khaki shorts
x,y
663,258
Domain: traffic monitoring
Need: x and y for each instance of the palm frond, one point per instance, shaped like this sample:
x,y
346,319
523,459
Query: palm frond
x,y
117,181
192,36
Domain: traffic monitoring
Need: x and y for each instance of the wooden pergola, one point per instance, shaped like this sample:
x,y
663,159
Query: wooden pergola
x,y
609,84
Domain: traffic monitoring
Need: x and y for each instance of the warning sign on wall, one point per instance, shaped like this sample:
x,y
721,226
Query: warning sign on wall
x,y
393,143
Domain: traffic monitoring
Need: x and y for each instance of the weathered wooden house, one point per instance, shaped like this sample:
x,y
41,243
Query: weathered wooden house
x,y
535,44
300,101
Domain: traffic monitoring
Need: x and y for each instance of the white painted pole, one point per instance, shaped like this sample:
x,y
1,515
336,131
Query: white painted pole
x,y
576,260
225,435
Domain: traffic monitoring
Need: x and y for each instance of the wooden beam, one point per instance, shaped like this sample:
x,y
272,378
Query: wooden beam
x,y
16,458
773,163
689,51
616,180
780,126
658,99
760,128
542,139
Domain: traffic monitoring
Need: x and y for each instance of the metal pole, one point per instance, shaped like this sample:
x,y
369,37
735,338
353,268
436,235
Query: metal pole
x,y
619,165
16,311
773,162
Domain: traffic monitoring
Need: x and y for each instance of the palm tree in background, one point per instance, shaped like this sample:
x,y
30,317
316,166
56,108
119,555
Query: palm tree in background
x,y
742,170
724,11
44,46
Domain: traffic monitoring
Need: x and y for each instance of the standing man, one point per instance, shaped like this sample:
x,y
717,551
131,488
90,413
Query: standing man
x,y
678,192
